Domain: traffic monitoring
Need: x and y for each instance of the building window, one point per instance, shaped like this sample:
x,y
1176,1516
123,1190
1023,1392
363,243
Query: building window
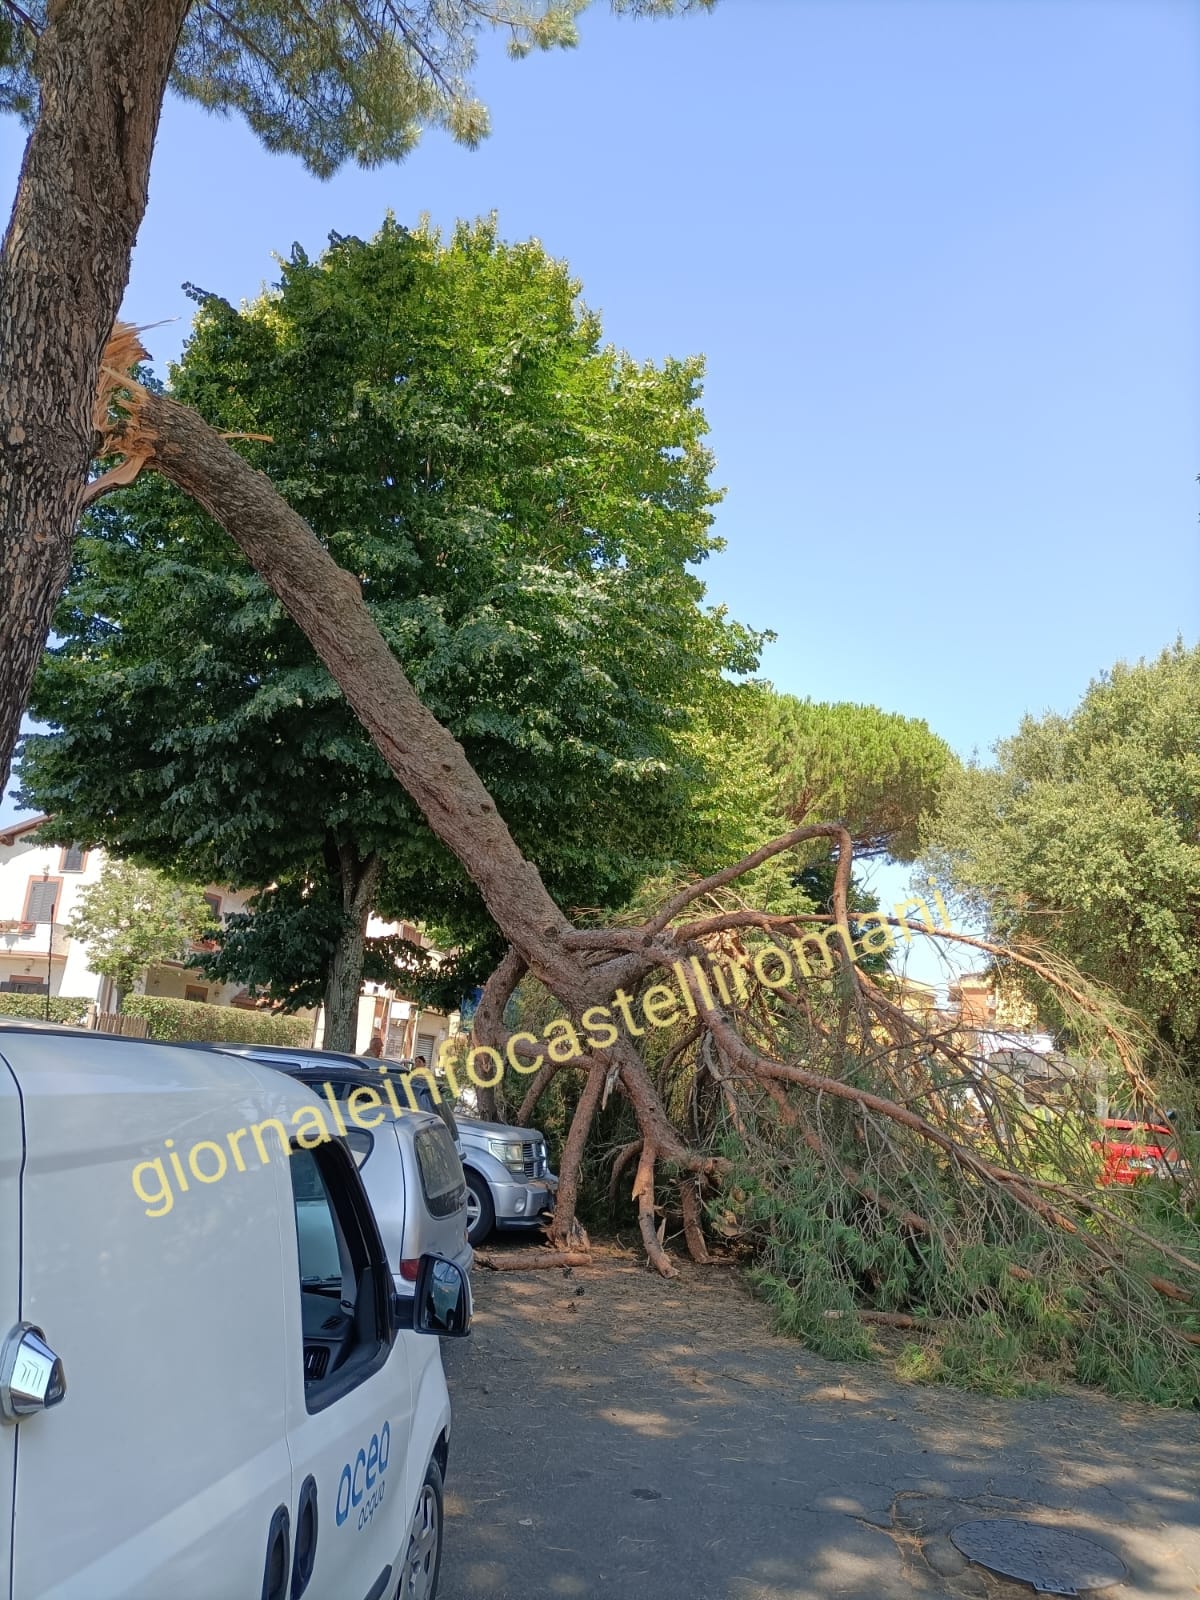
x,y
41,898
195,991
23,986
74,858
214,905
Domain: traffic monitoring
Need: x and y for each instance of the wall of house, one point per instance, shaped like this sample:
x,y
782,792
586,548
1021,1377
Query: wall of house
x,y
24,946
431,1031
178,982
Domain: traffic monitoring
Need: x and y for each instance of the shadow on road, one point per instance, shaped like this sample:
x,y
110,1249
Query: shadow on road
x,y
616,1434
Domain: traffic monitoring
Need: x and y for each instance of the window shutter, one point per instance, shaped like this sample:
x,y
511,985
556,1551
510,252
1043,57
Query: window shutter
x,y
42,897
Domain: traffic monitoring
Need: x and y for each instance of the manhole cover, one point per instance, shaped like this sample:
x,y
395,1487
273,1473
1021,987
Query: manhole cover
x,y
1053,1561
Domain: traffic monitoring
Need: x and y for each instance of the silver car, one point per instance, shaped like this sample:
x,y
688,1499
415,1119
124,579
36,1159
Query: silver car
x,y
508,1177
414,1181
409,1164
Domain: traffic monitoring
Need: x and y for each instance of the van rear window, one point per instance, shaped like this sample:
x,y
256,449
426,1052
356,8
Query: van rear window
x,y
441,1171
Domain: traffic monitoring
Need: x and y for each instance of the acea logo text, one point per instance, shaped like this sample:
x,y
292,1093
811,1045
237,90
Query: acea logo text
x,y
362,1485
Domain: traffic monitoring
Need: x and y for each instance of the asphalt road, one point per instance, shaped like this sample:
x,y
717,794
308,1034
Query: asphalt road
x,y
645,1438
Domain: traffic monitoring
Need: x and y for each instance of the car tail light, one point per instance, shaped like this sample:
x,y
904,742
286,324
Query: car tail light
x,y
409,1270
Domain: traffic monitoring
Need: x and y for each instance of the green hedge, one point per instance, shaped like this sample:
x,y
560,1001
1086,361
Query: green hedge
x,y
190,1019
63,1008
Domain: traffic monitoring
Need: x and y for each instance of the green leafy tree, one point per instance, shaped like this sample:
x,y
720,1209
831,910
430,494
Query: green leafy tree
x,y
776,762
328,80
1085,834
133,917
522,506
286,947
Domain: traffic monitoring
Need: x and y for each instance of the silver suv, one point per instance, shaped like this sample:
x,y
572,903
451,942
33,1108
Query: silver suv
x,y
509,1182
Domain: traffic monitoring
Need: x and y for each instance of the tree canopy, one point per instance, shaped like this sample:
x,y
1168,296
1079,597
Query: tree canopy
x,y
875,771
1085,834
335,80
521,506
133,917
330,81
779,761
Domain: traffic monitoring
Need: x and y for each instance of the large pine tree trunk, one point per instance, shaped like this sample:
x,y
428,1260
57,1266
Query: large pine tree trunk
x,y
327,604
103,68
358,881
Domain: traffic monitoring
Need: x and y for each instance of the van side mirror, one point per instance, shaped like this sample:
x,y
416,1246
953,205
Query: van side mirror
x,y
442,1302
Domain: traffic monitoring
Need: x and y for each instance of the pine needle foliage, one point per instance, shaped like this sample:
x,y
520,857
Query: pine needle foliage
x,y
334,81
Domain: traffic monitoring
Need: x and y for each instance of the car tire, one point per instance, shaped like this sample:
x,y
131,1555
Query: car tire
x,y
423,1558
481,1212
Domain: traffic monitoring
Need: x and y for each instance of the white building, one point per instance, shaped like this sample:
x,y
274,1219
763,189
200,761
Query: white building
x,y
39,885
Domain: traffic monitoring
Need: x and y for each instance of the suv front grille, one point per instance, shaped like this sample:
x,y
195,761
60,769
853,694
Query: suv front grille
x,y
533,1159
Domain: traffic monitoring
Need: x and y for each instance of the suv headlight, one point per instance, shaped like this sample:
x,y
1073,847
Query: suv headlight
x,y
509,1152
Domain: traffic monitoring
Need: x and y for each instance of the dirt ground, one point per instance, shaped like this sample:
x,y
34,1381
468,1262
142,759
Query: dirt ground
x,y
619,1435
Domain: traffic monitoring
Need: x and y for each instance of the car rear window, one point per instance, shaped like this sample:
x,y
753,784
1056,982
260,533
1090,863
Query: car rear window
x,y
441,1171
446,1111
423,1094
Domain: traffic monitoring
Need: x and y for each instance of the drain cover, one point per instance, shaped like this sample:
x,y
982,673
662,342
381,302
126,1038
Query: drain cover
x,y
1053,1561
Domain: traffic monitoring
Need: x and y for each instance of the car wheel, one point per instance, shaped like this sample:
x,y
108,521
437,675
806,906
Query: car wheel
x,y
481,1213
423,1560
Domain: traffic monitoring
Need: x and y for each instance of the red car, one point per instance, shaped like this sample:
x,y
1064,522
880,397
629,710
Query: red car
x,y
1133,1150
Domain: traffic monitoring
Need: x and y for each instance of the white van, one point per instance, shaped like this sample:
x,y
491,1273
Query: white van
x,y
194,1403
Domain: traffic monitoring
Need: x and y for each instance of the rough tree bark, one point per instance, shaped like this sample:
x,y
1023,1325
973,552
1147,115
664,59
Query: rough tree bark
x,y
327,604
487,1028
357,879
103,67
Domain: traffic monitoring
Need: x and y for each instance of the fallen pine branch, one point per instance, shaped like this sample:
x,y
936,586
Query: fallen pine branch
x,y
533,1260
884,1319
1169,1290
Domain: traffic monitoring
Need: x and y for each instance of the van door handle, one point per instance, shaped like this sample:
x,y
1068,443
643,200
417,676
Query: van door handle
x,y
278,1567
31,1375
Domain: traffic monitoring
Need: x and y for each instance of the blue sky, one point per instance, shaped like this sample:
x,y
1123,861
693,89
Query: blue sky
x,y
942,258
